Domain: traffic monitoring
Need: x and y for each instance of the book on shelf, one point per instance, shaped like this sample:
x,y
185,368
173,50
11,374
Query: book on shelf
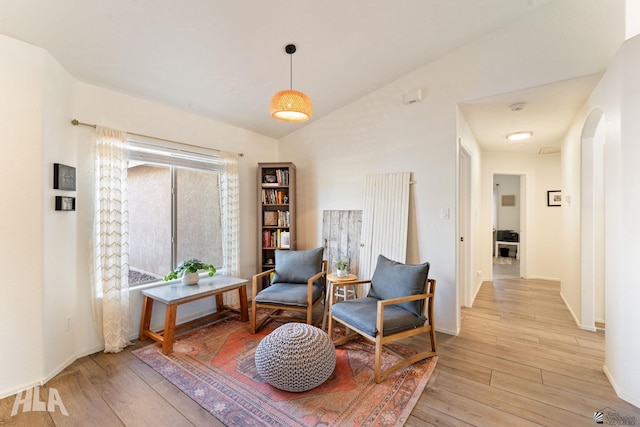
x,y
274,197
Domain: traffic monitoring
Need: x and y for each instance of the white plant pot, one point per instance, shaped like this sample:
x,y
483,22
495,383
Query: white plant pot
x,y
190,278
342,273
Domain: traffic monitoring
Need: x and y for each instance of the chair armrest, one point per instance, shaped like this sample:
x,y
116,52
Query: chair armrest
x,y
316,277
256,277
392,301
310,285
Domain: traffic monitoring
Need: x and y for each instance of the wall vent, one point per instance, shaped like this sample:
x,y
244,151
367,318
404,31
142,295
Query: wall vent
x,y
549,150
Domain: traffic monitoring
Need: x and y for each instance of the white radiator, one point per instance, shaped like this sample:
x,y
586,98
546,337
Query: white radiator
x,y
385,220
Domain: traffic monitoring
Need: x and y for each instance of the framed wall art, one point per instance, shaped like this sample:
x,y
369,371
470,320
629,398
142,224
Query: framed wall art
x,y
509,200
64,177
554,198
64,203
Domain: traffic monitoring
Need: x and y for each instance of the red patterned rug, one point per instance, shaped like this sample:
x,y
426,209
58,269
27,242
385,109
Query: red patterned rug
x,y
215,366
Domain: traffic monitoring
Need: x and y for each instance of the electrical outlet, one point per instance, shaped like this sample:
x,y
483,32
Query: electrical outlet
x,y
479,273
67,323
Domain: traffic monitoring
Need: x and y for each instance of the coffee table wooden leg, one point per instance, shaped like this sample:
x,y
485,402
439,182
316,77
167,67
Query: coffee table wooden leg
x,y
219,303
145,322
169,329
244,306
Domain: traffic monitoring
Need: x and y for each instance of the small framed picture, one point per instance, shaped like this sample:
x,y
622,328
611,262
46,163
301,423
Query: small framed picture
x,y
64,177
509,200
554,198
64,203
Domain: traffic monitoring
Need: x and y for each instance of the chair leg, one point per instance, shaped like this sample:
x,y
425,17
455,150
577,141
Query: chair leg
x,y
377,365
253,317
432,334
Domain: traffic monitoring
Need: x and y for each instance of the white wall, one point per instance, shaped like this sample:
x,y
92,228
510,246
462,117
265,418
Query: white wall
x,y
22,178
617,95
378,133
60,283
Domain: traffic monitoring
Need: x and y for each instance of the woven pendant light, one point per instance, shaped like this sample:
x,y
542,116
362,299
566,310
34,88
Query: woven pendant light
x,y
291,105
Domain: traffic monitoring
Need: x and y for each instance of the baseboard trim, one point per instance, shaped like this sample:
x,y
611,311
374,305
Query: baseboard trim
x,y
575,318
448,332
616,388
50,375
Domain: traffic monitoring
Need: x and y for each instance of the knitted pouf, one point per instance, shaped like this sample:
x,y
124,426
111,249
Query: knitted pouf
x,y
296,357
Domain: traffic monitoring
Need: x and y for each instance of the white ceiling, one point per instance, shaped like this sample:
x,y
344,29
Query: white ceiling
x,y
226,59
546,111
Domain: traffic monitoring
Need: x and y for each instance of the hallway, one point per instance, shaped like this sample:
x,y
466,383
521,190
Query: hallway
x,y
519,360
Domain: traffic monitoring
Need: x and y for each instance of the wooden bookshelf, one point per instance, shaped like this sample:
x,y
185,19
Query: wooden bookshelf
x,y
276,211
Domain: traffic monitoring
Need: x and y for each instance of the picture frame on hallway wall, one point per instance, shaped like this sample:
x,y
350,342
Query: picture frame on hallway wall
x,y
554,198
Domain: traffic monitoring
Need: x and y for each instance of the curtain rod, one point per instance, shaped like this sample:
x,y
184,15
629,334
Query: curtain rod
x,y
75,122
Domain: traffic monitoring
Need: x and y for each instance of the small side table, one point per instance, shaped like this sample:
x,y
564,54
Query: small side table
x,y
344,292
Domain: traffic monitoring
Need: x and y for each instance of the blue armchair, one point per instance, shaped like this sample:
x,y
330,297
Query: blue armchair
x,y
399,305
297,284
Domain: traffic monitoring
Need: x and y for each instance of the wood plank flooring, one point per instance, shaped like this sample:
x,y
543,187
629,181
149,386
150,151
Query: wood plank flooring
x,y
518,361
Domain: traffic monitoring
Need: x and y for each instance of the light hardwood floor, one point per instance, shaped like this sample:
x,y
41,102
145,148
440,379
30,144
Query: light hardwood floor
x,y
519,360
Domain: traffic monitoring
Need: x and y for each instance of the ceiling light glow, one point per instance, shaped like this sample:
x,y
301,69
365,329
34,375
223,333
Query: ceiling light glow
x,y
519,136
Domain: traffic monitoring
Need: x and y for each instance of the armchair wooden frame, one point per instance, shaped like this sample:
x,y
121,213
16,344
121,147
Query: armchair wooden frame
x,y
278,308
380,339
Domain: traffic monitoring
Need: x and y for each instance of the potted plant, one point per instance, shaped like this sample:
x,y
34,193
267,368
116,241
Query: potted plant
x,y
341,268
189,271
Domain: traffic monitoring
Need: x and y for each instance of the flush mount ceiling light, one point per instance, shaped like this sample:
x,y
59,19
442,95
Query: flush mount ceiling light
x,y
519,136
291,105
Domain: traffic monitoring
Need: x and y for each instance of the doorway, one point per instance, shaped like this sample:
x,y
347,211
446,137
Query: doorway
x,y
507,225
592,232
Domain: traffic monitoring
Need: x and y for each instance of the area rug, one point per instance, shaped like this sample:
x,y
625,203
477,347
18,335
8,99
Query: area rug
x,y
214,365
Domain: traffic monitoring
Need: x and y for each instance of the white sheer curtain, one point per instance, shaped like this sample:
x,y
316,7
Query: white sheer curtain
x,y
230,216
110,284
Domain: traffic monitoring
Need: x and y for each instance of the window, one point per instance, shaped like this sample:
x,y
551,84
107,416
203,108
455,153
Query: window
x,y
174,209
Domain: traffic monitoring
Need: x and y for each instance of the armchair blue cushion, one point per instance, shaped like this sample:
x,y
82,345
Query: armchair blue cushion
x,y
361,313
288,294
392,279
297,266
298,284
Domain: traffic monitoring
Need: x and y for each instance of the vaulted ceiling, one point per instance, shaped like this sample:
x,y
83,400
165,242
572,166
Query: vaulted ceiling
x,y
225,59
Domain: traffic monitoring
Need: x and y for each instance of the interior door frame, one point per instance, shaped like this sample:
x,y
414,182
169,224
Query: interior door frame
x,y
522,236
463,235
